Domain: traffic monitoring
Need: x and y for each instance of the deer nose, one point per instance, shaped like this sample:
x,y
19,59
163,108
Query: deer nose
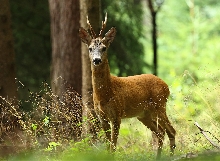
x,y
97,61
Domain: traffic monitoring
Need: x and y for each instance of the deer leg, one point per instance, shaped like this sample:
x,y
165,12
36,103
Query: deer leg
x,y
165,123
170,132
160,133
106,127
157,130
114,134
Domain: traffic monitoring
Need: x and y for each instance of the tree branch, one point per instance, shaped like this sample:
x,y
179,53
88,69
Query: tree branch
x,y
204,134
150,5
152,8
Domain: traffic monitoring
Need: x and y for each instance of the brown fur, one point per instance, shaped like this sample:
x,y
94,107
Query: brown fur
x,y
142,96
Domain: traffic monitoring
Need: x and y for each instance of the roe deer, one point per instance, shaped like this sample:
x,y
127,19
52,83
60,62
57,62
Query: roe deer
x,y
142,96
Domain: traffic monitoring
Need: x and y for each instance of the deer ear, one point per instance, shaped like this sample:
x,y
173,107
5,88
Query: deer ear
x,y
84,35
110,35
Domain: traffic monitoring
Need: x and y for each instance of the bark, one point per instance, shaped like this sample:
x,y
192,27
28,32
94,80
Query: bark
x,y
90,8
66,72
154,35
66,46
8,87
153,13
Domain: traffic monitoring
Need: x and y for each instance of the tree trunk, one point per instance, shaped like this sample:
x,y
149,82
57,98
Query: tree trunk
x,y
66,46
66,73
7,57
154,39
90,8
153,12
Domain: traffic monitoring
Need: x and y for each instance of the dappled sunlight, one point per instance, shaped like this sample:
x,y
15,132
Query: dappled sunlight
x,y
195,101
41,124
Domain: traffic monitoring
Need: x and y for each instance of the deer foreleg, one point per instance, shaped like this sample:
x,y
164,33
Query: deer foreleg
x,y
114,134
106,127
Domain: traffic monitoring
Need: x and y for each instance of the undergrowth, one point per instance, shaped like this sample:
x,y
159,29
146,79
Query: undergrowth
x,y
52,129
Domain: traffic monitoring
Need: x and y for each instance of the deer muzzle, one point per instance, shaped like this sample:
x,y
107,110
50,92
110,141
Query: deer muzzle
x,y
97,61
96,58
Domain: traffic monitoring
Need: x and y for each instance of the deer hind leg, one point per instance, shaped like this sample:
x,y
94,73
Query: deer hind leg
x,y
158,131
171,132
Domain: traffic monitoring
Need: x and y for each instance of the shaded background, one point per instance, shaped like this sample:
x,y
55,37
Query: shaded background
x,y
188,40
188,37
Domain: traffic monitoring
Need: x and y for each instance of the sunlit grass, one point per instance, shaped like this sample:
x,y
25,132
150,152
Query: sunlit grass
x,y
190,102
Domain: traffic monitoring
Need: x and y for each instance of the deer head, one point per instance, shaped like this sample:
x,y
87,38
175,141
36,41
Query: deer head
x,y
97,45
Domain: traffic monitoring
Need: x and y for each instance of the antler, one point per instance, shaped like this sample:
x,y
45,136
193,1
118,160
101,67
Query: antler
x,y
91,29
103,25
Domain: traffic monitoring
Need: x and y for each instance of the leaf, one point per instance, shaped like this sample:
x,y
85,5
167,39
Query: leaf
x,y
34,127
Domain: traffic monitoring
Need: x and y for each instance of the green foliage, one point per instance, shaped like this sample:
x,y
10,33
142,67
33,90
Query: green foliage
x,y
31,31
52,146
34,127
126,53
188,37
188,56
189,48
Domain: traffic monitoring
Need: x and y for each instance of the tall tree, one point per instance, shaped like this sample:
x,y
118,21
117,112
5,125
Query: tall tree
x,y
154,10
90,8
31,33
7,56
66,46
126,53
66,55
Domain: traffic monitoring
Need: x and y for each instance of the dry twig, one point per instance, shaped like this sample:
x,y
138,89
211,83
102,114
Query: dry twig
x,y
206,136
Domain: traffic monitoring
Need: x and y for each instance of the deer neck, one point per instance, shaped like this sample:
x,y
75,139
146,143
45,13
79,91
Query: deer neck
x,y
101,80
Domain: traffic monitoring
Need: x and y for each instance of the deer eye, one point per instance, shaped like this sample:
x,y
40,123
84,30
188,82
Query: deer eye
x,y
90,49
103,49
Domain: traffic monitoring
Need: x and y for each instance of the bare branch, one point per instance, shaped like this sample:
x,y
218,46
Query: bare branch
x,y
150,5
204,134
152,8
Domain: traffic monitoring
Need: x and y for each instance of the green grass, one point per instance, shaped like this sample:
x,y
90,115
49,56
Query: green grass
x,y
190,101
134,144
